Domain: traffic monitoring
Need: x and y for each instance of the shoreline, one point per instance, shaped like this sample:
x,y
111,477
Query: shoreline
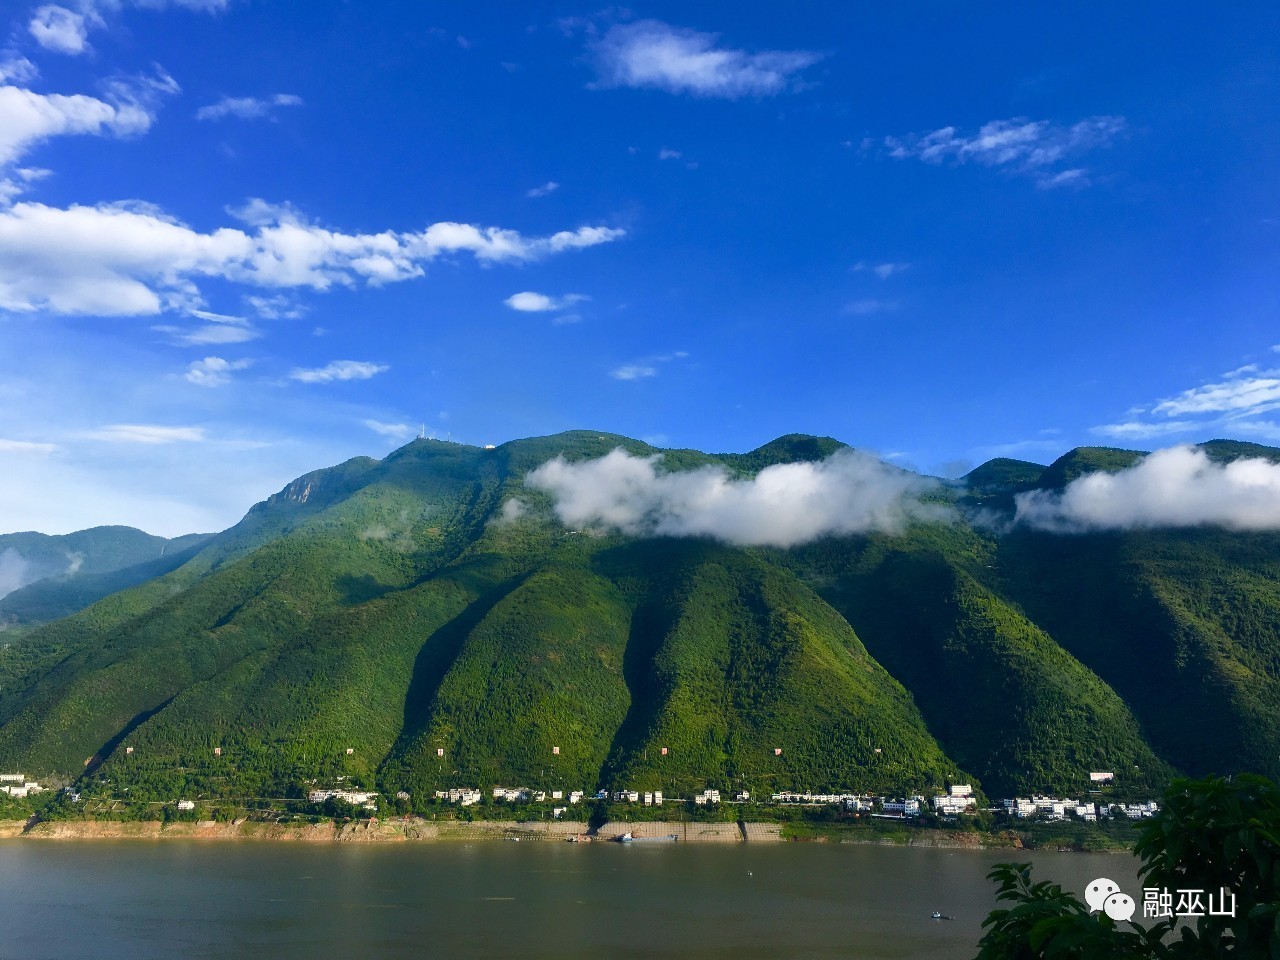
x,y
445,831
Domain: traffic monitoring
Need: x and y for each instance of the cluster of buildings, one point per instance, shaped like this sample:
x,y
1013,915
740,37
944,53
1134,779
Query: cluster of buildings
x,y
357,798
17,785
1055,808
958,799
510,794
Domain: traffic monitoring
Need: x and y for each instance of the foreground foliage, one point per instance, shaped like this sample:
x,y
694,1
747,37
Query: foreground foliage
x,y
1212,834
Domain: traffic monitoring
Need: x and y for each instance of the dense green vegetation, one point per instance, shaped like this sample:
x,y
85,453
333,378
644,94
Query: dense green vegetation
x,y
391,609
1213,836
48,577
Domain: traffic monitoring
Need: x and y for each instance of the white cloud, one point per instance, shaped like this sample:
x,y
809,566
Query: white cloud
x,y
147,433
17,70
1141,430
394,431
511,511
547,188
23,177
213,334
782,506
26,448
1031,147
633,371
247,108
649,53
647,367
62,30
27,118
1231,396
666,153
529,302
14,571
278,307
1075,177
132,259
214,371
339,370
1176,487
1229,405
882,270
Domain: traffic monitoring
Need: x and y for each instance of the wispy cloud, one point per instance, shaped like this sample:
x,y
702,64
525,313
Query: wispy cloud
x,y
15,69
247,108
214,371
26,448
1031,147
339,370
28,118
528,301
648,367
1177,487
649,53
866,307
1232,403
547,188
393,431
633,371
147,433
213,334
278,307
882,270
133,259
666,153
782,506
64,30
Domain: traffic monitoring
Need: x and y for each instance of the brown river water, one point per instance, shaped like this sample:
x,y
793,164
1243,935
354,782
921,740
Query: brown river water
x,y
183,899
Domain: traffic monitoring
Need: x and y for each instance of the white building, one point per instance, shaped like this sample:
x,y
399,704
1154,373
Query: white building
x,y
511,794
627,796
357,798
706,797
953,804
465,796
20,789
907,808
575,796
961,790
186,804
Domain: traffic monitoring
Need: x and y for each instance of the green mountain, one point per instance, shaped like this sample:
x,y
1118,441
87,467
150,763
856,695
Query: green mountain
x,y
46,577
402,610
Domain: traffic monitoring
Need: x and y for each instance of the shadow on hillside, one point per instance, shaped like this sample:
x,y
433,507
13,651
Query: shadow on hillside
x,y
357,590
435,658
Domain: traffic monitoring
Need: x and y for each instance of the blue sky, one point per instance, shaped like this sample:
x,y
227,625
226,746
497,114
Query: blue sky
x,y
241,240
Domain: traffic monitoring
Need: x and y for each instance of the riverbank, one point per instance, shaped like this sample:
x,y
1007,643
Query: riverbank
x,y
385,831
416,829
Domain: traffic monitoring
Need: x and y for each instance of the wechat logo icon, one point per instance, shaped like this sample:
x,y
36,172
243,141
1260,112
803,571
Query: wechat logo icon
x,y
1103,894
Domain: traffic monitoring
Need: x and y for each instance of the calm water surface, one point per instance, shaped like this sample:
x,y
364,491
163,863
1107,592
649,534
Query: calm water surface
x,y
190,900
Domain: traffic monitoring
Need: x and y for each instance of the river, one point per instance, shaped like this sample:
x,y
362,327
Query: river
x,y
167,899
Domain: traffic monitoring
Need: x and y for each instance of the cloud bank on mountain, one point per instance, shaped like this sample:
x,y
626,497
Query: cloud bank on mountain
x,y
782,506
1176,487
